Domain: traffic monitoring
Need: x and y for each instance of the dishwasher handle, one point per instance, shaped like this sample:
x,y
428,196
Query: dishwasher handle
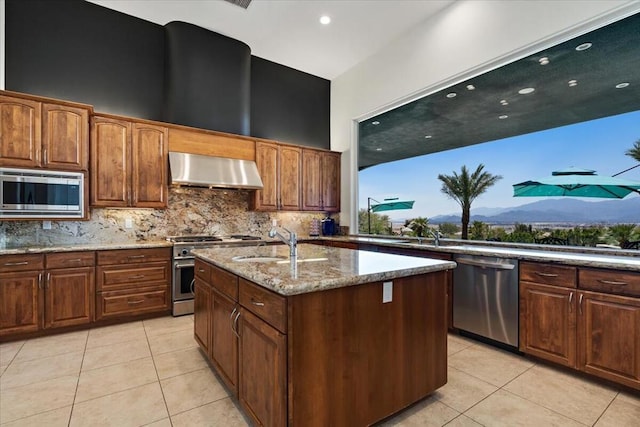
x,y
485,264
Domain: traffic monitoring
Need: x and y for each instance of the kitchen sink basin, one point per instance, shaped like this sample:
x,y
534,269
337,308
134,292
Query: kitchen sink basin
x,y
286,261
259,258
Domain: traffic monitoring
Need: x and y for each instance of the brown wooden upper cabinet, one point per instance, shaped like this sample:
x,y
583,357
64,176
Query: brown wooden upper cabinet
x,y
280,169
128,163
36,134
320,181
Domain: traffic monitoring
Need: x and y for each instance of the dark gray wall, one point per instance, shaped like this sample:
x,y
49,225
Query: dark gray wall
x,y
79,51
289,105
207,79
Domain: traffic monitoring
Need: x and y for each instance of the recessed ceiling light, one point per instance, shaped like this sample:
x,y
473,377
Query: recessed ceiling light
x,y
378,149
504,102
428,136
376,123
526,90
452,95
583,46
622,85
325,20
573,83
502,117
471,87
543,61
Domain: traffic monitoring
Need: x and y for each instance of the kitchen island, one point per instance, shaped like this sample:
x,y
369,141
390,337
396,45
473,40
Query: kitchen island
x,y
340,337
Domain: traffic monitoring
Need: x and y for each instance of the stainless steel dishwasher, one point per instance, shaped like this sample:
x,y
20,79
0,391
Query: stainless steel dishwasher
x,y
485,297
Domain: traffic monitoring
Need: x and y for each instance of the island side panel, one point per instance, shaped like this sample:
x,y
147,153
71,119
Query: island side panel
x,y
354,360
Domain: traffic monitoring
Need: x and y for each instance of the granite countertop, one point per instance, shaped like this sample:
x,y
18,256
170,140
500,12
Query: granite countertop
x,y
588,257
318,267
9,249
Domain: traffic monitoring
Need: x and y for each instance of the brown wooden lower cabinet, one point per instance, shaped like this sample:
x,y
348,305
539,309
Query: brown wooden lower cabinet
x,y
609,337
69,297
594,332
20,302
311,359
201,317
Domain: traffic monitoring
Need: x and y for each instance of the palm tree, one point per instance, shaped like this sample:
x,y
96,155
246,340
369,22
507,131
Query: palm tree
x,y
464,189
419,226
635,151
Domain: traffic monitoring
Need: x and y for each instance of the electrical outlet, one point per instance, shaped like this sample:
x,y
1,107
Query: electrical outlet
x,y
128,223
46,225
387,292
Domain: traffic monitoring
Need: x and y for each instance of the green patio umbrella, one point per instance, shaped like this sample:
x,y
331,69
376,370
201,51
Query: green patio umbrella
x,y
393,204
575,182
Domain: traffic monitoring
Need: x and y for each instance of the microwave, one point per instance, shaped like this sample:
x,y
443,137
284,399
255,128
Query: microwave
x,y
41,194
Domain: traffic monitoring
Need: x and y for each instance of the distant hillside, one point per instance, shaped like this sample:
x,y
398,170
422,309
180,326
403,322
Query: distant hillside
x,y
556,210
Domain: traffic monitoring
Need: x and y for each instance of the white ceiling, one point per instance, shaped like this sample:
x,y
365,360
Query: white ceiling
x,y
289,32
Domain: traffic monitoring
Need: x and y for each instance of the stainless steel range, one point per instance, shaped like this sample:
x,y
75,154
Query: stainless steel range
x,y
183,278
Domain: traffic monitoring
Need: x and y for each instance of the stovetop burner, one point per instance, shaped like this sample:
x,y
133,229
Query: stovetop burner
x,y
194,239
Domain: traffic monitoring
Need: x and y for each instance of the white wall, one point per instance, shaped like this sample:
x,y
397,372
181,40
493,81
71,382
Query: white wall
x,y
466,39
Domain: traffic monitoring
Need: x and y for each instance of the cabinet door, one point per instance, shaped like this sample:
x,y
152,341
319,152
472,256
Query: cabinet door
x,y
263,369
149,160
65,137
201,318
609,337
69,297
20,132
110,162
267,162
290,178
224,343
20,302
548,322
330,182
311,180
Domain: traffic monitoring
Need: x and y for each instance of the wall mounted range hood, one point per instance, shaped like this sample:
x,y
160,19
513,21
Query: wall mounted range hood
x,y
207,171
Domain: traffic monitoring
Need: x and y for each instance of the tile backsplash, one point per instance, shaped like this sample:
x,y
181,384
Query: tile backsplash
x,y
191,211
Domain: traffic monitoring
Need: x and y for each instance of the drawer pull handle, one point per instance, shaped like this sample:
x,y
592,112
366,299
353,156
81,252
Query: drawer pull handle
x,y
135,302
201,270
135,256
137,276
9,264
258,303
612,282
73,260
546,274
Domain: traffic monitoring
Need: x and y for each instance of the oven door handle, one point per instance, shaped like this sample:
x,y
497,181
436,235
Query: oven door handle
x,y
179,266
193,292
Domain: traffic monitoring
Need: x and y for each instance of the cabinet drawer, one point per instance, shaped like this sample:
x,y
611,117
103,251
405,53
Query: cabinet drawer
x,y
269,306
128,256
608,281
21,262
123,303
203,271
70,259
548,274
113,277
224,282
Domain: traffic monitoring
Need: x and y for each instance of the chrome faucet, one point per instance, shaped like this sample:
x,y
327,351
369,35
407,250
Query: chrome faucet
x,y
292,241
436,237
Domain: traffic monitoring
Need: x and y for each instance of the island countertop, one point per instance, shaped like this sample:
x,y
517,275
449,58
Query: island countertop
x,y
318,267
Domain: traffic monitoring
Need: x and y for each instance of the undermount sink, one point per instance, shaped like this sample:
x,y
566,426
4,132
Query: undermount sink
x,y
298,260
258,258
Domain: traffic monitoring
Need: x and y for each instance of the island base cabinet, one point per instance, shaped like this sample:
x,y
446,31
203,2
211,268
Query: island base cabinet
x,y
263,371
355,360
224,343
609,337
201,315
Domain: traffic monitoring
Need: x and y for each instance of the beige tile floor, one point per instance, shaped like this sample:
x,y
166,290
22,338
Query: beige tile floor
x,y
151,373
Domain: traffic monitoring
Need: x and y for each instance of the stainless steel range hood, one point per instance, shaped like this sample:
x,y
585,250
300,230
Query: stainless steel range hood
x,y
207,171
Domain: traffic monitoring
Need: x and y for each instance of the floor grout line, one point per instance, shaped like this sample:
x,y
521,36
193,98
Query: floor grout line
x,y
75,394
155,367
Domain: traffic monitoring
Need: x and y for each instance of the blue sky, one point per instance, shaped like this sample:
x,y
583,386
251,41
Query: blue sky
x,y
598,144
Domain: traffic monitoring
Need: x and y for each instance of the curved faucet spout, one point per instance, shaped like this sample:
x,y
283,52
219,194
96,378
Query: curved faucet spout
x,y
292,241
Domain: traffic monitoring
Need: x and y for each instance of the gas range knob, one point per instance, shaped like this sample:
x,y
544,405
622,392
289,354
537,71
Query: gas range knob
x,y
184,251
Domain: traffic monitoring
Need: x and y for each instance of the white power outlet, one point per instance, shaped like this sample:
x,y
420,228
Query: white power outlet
x,y
387,292
128,223
46,225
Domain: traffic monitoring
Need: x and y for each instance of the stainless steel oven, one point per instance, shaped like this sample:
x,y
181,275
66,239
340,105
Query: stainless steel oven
x,y
183,278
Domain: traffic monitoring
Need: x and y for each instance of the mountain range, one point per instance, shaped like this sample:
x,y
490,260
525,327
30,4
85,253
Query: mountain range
x,y
555,211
